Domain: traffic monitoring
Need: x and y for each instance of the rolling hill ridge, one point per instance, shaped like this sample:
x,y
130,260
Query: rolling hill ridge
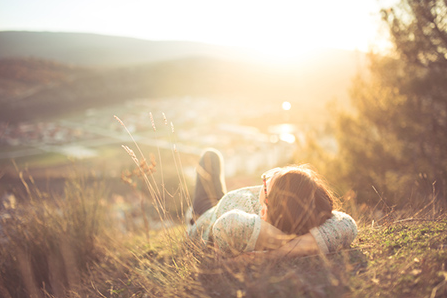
x,y
44,74
104,51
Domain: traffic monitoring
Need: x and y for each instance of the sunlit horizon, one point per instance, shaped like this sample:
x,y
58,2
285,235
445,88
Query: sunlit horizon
x,y
273,29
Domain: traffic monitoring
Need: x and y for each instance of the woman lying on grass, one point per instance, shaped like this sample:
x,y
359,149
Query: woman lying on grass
x,y
291,214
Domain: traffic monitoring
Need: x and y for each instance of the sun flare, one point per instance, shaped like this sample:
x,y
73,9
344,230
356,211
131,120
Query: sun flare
x,y
286,105
277,31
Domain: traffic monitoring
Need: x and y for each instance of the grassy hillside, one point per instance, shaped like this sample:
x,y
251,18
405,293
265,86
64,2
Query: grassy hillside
x,y
403,259
74,246
20,78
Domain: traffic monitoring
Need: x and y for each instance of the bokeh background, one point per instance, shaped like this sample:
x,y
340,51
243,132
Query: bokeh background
x,y
355,88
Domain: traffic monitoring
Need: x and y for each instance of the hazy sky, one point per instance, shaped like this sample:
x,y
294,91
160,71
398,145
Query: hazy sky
x,y
276,27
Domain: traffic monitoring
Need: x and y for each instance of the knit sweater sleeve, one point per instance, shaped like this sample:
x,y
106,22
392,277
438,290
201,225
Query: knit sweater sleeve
x,y
236,232
337,232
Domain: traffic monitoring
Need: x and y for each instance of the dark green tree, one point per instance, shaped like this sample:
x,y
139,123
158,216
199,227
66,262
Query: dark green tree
x,y
395,140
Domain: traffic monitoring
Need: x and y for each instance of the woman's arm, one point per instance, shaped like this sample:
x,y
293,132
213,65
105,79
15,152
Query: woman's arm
x,y
338,231
304,245
271,238
237,232
280,244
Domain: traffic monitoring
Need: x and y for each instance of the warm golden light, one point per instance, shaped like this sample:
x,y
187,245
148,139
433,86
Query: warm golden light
x,y
278,31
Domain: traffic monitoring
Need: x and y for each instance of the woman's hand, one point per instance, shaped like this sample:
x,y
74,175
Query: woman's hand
x,y
304,245
271,238
272,243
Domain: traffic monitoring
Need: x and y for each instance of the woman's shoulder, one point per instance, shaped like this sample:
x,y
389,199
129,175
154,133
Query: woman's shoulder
x,y
343,222
246,190
246,199
339,215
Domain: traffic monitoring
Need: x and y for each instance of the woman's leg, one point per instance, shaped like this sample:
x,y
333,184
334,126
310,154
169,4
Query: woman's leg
x,y
210,182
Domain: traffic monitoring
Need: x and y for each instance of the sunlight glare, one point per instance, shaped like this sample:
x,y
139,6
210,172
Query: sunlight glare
x,y
289,138
278,31
286,105
290,34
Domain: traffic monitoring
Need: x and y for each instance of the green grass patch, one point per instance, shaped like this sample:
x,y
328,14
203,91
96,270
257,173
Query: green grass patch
x,y
44,160
403,260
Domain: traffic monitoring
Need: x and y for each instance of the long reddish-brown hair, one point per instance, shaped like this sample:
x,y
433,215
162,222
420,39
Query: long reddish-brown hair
x,y
299,200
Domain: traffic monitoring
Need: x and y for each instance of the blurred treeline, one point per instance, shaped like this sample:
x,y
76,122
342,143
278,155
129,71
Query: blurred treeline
x,y
393,144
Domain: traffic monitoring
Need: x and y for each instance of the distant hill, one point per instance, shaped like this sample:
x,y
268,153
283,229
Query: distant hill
x,y
21,77
100,50
45,74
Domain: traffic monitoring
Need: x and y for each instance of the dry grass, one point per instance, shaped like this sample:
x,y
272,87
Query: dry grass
x,y
57,250
69,246
47,241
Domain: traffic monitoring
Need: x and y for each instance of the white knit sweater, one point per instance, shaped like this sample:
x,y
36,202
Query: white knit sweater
x,y
234,225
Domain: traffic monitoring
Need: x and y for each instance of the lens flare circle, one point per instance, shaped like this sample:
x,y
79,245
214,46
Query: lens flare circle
x,y
286,105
